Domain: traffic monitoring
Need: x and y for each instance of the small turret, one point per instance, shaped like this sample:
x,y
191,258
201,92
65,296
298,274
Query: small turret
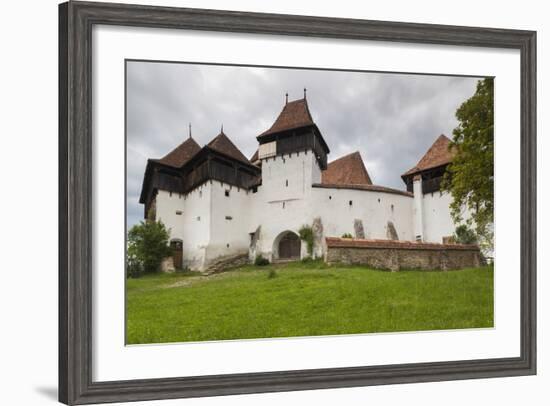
x,y
293,131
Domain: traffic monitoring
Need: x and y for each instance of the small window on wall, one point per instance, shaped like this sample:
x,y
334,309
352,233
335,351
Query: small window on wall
x,y
283,205
226,192
351,203
199,218
179,212
286,183
392,207
200,193
418,238
228,218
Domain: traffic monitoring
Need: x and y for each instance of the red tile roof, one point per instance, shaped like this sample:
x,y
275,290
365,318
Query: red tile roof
x,y
295,114
348,170
225,146
181,154
335,242
437,155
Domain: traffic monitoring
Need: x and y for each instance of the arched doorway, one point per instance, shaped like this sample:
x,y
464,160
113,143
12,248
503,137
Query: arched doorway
x,y
177,253
287,246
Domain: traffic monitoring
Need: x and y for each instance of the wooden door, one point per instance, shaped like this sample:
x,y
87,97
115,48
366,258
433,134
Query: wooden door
x,y
289,247
177,254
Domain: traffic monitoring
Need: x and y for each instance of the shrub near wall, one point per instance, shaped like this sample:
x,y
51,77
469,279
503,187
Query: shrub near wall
x,y
396,255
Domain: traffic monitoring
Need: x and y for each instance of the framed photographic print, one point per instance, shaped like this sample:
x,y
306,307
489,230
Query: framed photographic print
x,y
259,202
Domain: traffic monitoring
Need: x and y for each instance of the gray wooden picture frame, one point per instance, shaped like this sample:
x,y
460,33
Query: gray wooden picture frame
x,y
76,20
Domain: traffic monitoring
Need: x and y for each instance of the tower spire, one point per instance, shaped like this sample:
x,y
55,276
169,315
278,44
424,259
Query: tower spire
x,y
305,93
222,129
286,95
190,134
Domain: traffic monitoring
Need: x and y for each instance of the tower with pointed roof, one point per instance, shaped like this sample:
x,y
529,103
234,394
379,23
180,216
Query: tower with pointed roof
x,y
431,214
293,131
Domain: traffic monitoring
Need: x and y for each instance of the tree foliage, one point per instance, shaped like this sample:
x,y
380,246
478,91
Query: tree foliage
x,y
147,247
465,235
470,176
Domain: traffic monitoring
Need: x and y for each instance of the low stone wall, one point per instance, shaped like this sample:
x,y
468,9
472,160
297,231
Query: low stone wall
x,y
396,255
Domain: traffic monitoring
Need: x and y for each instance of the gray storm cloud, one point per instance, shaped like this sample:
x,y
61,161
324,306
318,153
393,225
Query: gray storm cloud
x,y
392,119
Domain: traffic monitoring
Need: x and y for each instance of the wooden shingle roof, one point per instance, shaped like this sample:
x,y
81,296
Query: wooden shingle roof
x,y
224,145
295,114
181,154
437,155
347,170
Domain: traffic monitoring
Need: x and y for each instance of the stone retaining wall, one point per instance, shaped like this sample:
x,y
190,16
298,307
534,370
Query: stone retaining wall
x,y
396,255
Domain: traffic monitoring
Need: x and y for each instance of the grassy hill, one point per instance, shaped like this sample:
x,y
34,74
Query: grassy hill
x,y
304,299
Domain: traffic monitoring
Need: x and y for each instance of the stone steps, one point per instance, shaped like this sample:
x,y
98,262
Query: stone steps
x,y
225,263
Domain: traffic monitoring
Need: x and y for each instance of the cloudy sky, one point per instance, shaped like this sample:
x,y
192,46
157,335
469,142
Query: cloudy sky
x,y
392,119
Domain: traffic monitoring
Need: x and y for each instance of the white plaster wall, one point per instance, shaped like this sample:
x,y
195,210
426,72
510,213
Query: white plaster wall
x,y
374,209
278,207
167,206
299,169
196,226
229,236
192,226
418,210
437,219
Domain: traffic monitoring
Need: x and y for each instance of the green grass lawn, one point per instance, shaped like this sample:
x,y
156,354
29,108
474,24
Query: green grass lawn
x,y
304,299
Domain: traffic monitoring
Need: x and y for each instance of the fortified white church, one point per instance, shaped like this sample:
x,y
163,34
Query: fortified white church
x,y
219,205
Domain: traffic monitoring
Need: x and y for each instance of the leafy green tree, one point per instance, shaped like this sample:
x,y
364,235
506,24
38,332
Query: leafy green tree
x,y
147,247
470,176
465,235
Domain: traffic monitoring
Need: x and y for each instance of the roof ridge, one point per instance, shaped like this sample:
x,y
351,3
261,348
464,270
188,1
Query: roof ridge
x,y
436,155
291,116
233,151
345,156
180,154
